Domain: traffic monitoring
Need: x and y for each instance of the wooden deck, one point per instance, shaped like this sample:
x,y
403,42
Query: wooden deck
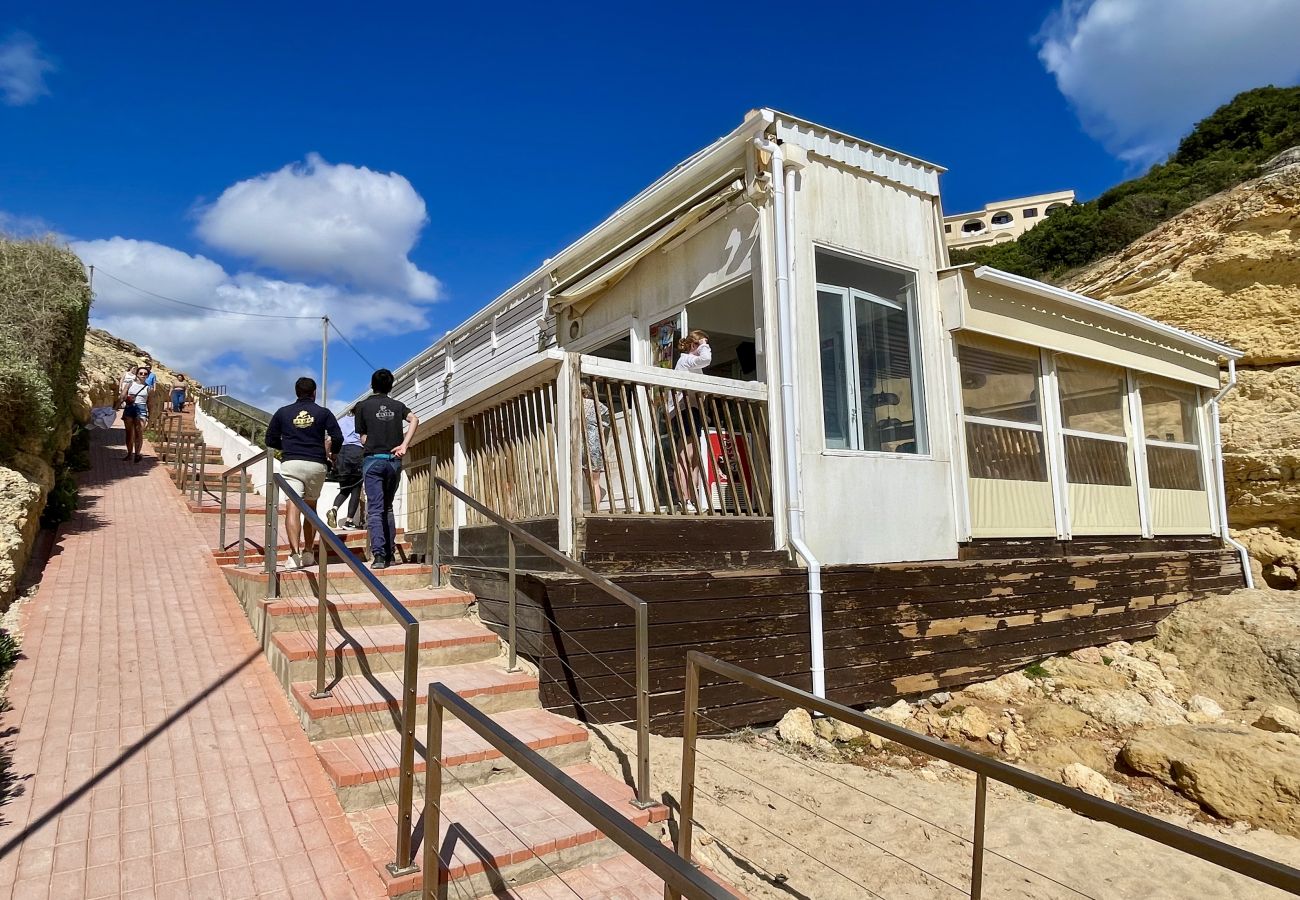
x,y
890,630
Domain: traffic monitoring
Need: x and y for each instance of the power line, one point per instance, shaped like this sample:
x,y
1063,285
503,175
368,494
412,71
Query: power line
x,y
215,309
351,346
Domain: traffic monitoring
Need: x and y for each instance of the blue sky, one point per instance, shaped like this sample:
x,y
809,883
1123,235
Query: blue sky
x,y
400,166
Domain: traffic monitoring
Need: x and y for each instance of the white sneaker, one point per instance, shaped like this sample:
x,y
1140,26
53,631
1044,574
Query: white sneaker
x,y
690,508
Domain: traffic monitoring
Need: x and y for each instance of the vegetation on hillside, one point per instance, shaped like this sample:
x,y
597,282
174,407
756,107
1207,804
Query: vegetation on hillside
x,y
1223,150
44,308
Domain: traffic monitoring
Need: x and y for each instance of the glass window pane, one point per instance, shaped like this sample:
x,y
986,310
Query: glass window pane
x,y
1090,461
999,383
835,386
1006,454
1174,468
1092,396
1169,413
885,375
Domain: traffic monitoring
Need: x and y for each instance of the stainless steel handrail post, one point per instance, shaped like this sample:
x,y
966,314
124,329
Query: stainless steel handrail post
x,y
510,605
435,532
977,851
690,730
221,516
643,705
322,617
243,513
405,861
203,472
432,798
272,515
428,521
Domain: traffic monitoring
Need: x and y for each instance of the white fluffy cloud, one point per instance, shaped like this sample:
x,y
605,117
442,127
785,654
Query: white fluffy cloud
x,y
255,357
1140,73
22,70
320,220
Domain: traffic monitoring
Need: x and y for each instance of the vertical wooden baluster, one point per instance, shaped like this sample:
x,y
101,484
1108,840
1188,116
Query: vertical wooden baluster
x,y
618,446
632,423
667,396
762,469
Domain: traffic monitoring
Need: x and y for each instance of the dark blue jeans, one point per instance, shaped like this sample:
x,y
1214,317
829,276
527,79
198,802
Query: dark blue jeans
x,y
178,401
381,477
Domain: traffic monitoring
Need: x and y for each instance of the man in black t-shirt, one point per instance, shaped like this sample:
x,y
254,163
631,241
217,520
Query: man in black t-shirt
x,y
306,434
379,420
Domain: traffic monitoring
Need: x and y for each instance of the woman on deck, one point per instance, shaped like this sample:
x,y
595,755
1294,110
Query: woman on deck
x,y
135,412
686,422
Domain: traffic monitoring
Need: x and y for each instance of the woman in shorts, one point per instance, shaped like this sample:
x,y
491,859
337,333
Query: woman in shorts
x,y
135,412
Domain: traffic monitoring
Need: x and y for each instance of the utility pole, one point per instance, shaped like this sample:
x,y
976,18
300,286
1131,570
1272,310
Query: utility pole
x,y
324,359
92,281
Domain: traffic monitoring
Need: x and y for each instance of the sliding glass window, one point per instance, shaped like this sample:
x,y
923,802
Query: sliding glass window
x,y
1010,493
1098,453
1180,503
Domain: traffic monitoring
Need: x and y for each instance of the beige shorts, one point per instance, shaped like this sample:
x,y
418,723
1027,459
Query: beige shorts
x,y
304,476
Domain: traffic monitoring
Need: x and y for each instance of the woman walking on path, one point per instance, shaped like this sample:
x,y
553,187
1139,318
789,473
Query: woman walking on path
x,y
135,412
179,387
596,414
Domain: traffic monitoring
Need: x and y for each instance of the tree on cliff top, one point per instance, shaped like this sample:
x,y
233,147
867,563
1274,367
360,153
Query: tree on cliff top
x,y
1222,150
44,310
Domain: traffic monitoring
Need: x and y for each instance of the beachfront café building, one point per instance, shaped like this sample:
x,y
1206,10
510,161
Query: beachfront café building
x,y
867,405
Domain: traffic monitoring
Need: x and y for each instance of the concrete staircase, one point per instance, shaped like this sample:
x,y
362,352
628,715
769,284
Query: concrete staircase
x,y
508,836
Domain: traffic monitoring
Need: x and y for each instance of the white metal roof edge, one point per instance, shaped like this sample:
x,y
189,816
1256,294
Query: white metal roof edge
x,y
1106,310
844,135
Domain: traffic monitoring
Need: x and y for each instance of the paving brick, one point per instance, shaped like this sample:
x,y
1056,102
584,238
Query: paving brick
x,y
134,626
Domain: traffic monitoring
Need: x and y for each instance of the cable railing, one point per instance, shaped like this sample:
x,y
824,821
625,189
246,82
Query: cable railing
x,y
403,864
515,534
679,876
1234,859
241,469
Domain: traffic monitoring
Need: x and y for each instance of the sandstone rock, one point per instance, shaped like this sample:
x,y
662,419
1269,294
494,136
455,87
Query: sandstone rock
x,y
1084,676
1000,690
875,742
972,722
1201,709
1233,771
1051,760
995,737
1279,719
1087,655
1056,721
1124,710
940,698
1090,781
900,762
1011,745
1238,649
796,728
1147,678
898,714
835,730
22,497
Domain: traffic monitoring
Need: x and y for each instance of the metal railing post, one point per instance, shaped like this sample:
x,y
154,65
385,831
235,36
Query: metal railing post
x,y
322,616
221,516
405,862
203,472
690,730
643,705
243,513
272,525
429,534
977,851
432,797
435,534
510,596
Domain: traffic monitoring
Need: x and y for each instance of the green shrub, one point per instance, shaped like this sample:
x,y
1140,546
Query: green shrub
x,y
8,651
1223,150
44,309
62,501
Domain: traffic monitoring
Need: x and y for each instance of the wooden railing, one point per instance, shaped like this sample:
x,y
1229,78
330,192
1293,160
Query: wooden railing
x,y
659,442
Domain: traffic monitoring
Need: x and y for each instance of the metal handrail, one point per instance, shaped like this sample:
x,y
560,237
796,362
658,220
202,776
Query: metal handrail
x,y
1232,858
404,862
680,876
240,467
639,606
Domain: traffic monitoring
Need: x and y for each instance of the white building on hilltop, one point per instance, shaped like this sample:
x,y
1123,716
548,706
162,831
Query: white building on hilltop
x,y
1003,221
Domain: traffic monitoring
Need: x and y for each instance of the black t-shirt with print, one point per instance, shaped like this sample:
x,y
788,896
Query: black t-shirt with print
x,y
379,417
298,431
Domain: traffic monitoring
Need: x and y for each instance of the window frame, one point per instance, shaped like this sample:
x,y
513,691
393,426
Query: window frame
x,y
911,307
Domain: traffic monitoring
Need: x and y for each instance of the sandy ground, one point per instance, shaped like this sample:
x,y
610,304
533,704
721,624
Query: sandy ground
x,y
779,825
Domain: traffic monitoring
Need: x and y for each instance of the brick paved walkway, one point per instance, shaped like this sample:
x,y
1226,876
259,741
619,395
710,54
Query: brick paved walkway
x,y
155,753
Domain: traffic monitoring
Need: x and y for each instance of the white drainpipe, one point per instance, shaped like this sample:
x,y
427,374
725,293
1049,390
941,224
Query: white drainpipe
x,y
783,216
1222,491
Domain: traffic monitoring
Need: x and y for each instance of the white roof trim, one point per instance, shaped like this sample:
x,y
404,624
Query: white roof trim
x,y
1106,310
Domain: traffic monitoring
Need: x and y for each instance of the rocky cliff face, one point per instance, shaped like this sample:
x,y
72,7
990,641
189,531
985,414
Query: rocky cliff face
x,y
1229,269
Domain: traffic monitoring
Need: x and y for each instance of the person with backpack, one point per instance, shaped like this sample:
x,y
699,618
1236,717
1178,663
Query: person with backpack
x,y
379,420
348,467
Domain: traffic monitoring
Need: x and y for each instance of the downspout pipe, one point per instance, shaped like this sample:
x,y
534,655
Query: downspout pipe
x,y
1221,489
783,217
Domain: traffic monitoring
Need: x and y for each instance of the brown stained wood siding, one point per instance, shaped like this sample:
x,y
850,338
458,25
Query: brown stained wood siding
x,y
890,630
